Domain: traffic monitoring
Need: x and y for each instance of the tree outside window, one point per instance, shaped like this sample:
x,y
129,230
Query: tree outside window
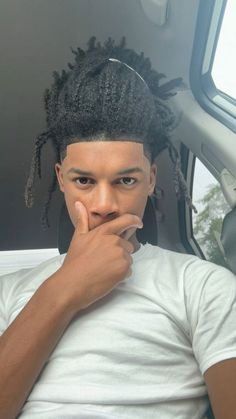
x,y
212,209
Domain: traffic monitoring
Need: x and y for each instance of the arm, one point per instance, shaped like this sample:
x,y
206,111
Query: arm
x,y
212,309
221,384
26,345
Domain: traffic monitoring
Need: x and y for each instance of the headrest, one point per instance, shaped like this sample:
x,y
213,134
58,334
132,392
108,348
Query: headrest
x,y
228,238
148,234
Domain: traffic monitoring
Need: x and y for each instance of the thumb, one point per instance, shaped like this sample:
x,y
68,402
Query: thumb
x,y
82,226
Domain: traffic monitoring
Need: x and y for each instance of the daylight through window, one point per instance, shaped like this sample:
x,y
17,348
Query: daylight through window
x,y
224,65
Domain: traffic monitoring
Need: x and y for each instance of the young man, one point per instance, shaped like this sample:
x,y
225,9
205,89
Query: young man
x,y
113,329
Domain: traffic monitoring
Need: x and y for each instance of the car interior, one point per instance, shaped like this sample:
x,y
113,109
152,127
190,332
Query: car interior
x,y
193,40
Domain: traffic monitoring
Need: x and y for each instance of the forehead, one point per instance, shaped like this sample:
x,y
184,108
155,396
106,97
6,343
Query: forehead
x,y
105,152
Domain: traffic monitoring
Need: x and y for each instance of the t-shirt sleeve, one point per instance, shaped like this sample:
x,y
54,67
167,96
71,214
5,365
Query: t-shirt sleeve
x,y
211,311
10,285
5,281
18,287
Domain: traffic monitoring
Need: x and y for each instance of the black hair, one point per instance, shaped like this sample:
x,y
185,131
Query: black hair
x,y
111,93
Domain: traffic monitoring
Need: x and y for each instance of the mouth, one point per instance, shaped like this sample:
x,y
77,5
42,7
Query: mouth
x,y
126,235
102,222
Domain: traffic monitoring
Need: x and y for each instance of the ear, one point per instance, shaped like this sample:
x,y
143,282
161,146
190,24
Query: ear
x,y
58,170
153,176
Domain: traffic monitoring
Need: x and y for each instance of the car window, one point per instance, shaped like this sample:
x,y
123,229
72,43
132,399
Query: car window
x,y
224,63
213,62
212,208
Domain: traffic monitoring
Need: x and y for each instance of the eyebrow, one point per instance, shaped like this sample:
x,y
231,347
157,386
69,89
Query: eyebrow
x,y
81,172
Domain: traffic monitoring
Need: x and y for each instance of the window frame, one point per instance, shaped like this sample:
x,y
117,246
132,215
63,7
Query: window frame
x,y
185,213
219,105
188,239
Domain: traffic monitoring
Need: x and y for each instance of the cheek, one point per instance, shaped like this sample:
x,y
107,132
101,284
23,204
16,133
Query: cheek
x,y
71,195
141,199
135,202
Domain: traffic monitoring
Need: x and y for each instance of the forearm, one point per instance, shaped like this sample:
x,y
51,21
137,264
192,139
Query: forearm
x,y
81,280
27,343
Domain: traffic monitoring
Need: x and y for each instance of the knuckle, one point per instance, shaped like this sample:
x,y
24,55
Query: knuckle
x,y
130,260
113,239
130,247
126,264
121,253
134,219
116,239
123,268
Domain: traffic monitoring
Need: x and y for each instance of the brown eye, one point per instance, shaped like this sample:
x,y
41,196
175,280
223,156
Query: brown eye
x,y
128,181
83,181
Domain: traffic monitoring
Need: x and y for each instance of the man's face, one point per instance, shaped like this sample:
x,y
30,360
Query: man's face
x,y
110,178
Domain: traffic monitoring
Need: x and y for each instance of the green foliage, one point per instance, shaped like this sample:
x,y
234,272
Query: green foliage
x,y
208,223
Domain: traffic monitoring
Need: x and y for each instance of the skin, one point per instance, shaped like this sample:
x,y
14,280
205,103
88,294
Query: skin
x,y
105,199
106,214
101,214
105,193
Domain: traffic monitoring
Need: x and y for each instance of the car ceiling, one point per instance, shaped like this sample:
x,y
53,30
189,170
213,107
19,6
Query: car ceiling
x,y
35,40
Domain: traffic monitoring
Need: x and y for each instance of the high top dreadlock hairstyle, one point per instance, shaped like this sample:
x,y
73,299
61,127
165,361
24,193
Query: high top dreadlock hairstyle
x,y
109,93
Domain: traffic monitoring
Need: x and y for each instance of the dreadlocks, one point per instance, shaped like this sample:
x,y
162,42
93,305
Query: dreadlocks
x,y
108,93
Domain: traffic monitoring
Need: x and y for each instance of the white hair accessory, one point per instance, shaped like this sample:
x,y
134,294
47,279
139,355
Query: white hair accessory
x,y
132,69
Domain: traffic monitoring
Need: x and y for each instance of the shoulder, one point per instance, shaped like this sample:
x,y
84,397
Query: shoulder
x,y
183,264
18,287
205,295
15,282
193,278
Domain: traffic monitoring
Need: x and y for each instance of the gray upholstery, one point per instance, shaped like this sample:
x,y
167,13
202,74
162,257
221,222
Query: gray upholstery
x,y
228,238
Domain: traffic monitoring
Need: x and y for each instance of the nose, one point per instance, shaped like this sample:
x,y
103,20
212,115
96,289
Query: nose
x,y
104,203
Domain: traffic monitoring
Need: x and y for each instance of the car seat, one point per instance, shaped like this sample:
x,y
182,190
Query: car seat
x,y
228,238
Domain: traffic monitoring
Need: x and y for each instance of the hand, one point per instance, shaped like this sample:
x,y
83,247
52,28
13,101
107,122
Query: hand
x,y
97,260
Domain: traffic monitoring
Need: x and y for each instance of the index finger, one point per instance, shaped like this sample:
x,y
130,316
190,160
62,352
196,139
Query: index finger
x,y
121,224
82,225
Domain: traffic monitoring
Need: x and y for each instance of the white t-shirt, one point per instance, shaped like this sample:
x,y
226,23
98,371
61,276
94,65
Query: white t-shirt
x,y
142,350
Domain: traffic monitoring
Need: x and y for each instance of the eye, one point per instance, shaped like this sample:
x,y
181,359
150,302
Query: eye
x,y
128,181
83,181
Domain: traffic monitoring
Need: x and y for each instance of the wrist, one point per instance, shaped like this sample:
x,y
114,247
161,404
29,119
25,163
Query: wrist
x,y
60,293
